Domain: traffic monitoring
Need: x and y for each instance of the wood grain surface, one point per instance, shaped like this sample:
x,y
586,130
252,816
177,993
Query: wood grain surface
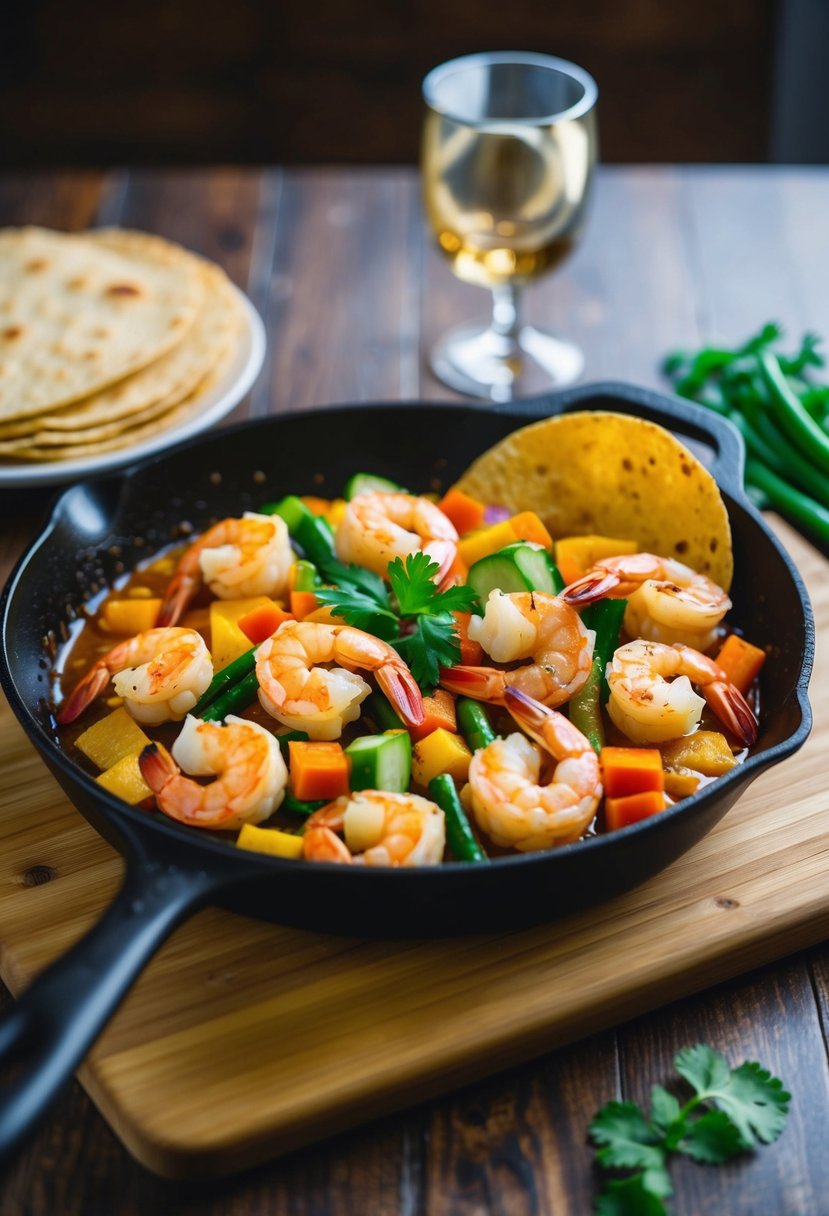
x,y
341,267
243,1040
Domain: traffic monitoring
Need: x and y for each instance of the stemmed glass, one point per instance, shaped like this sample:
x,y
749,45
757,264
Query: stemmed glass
x,y
509,147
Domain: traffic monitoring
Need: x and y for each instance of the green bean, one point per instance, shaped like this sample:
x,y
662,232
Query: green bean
x,y
605,617
291,736
295,806
474,723
382,714
232,674
796,506
233,700
459,834
793,418
585,707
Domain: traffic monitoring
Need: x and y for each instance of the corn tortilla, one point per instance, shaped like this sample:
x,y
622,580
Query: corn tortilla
x,y
614,475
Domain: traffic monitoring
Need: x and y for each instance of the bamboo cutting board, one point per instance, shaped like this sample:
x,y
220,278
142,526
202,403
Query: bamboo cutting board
x,y
243,1040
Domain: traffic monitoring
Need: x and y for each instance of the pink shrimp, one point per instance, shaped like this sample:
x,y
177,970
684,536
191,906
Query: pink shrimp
x,y
160,673
380,829
236,558
376,528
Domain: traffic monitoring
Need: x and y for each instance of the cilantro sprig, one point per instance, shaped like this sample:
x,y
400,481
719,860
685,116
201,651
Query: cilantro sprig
x,y
412,614
731,1111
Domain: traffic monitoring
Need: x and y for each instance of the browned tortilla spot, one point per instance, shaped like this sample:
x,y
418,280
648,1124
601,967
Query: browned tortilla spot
x,y
123,289
37,264
12,332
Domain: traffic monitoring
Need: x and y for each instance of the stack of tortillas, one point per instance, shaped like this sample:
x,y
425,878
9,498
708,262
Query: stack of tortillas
x,y
106,338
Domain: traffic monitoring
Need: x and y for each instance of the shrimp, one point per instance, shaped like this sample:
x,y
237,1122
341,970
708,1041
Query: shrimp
x,y
160,673
526,625
236,558
381,828
508,799
245,759
667,601
298,691
649,709
376,528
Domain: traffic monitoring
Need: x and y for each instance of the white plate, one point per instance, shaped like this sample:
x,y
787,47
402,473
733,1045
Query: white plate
x,y
217,401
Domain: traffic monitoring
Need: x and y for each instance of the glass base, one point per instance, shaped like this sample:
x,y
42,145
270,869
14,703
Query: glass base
x,y
481,363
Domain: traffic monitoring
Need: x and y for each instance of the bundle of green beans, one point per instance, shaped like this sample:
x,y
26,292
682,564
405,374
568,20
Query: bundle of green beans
x,y
782,412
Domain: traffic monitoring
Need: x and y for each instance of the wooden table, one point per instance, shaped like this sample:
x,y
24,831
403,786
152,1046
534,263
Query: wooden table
x,y
340,265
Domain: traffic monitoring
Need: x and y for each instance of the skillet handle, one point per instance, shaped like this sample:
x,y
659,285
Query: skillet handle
x,y
685,418
57,1019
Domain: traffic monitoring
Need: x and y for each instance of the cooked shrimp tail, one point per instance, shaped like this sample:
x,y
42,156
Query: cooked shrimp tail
x,y
548,727
160,673
595,585
245,760
403,693
732,709
479,683
321,844
84,693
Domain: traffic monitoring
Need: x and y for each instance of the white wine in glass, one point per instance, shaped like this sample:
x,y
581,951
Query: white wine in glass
x,y
509,147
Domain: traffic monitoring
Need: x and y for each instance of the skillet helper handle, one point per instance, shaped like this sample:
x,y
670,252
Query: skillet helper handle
x,y
57,1019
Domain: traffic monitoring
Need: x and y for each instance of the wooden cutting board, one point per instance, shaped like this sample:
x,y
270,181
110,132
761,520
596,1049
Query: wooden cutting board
x,y
243,1040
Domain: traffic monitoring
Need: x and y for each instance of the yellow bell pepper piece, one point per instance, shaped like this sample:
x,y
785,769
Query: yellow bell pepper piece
x,y
130,616
575,555
124,780
227,641
108,741
706,752
681,782
269,840
440,752
480,544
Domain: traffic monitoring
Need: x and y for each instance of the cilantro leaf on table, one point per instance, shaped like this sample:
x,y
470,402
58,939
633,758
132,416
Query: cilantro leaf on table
x,y
629,1197
630,1141
730,1111
754,1100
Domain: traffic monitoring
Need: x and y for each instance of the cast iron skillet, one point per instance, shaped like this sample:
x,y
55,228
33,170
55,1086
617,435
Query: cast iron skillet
x,y
171,871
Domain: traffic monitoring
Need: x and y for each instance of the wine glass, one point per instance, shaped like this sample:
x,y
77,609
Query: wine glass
x,y
509,147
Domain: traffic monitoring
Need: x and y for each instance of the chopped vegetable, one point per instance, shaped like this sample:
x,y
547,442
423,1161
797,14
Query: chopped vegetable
x,y
224,679
227,640
631,770
381,713
474,723
706,751
290,736
488,540
440,752
465,512
124,780
459,835
681,782
575,555
370,483
269,840
517,567
527,526
233,699
318,770
619,812
471,653
781,413
741,661
130,616
439,711
381,762
585,707
605,619
294,806
108,741
262,622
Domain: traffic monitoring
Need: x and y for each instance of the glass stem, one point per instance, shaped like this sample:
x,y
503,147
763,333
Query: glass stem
x,y
506,321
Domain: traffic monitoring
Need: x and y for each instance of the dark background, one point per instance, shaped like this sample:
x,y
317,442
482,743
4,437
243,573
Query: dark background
x,y
246,81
